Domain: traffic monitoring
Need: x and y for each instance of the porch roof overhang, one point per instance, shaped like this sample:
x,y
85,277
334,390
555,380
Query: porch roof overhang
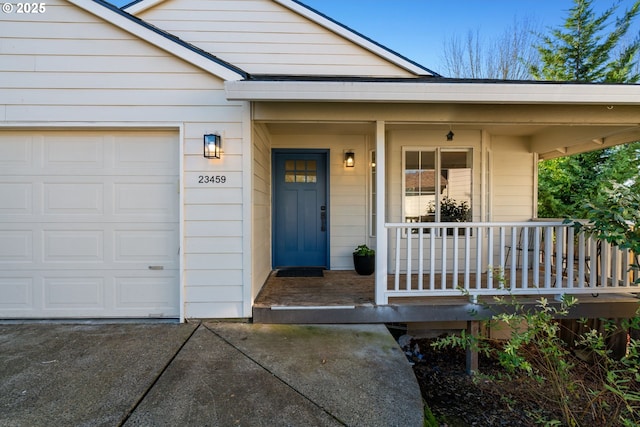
x,y
430,90
559,118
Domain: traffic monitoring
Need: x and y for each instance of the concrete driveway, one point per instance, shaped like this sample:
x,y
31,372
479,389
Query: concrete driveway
x,y
204,374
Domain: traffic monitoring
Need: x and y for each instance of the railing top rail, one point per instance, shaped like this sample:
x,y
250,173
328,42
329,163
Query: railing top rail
x,y
528,224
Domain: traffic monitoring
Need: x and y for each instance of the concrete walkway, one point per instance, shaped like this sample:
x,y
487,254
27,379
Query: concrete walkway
x,y
208,374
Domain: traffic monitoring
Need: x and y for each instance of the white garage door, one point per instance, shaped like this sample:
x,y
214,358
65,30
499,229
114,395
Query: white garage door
x,y
89,224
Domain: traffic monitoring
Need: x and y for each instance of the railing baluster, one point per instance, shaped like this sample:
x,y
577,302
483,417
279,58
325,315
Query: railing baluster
x,y
581,259
467,260
545,248
594,262
396,279
503,245
625,268
479,233
514,257
614,267
421,259
490,257
432,259
456,239
548,246
604,254
570,257
536,258
408,263
443,263
559,256
525,257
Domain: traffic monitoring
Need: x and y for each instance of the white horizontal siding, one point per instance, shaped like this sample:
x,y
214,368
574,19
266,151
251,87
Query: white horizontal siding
x,y
69,66
261,209
213,278
512,178
264,37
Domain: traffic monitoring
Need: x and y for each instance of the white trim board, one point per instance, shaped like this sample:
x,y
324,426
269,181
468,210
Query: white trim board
x,y
436,92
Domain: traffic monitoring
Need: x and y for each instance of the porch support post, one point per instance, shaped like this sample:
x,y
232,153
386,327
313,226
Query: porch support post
x,y
473,329
381,216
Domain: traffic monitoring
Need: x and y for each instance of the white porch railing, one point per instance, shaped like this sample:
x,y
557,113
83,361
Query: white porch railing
x,y
523,258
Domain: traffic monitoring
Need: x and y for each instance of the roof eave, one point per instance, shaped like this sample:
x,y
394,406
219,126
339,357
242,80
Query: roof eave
x,y
433,92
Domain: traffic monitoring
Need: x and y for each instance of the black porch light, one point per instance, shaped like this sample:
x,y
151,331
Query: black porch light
x,y
212,146
349,159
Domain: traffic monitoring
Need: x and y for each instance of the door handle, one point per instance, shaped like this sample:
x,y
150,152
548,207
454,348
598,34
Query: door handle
x,y
323,218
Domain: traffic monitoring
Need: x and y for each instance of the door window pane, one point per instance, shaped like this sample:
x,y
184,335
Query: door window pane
x,y
300,171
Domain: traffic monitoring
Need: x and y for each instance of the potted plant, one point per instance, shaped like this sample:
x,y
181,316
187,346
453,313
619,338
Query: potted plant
x,y
454,211
364,260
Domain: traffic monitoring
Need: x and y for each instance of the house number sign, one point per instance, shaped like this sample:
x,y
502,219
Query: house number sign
x,y
212,179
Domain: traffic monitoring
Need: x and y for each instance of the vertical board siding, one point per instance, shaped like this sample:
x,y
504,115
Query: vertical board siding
x,y
68,66
263,37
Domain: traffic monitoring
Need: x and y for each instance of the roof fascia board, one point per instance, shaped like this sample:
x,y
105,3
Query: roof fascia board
x,y
355,37
157,38
140,6
446,92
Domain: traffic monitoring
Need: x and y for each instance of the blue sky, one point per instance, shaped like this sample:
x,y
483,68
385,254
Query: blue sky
x,y
418,29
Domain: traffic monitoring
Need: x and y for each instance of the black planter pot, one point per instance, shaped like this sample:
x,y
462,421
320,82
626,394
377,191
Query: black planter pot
x,y
365,265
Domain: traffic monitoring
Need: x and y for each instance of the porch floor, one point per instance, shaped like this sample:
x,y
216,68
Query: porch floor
x,y
346,297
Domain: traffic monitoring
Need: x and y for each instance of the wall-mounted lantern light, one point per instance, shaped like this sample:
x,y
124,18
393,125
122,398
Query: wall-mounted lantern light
x,y
349,159
212,146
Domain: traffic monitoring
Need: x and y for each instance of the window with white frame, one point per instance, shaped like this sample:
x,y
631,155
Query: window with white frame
x,y
437,185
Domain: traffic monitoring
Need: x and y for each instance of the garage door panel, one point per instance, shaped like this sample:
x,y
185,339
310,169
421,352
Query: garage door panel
x,y
16,246
118,293
16,151
70,292
17,198
73,246
156,246
138,158
17,293
145,292
89,224
147,199
68,151
73,198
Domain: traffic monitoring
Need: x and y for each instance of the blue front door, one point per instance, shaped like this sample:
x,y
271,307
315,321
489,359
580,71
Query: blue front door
x,y
300,211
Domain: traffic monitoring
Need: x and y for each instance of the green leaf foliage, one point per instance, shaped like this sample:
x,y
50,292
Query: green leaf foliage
x,y
588,47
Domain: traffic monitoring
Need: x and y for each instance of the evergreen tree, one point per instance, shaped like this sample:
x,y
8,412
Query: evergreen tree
x,y
583,51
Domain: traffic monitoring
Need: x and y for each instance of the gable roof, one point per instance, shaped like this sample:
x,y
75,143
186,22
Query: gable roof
x,y
161,39
328,23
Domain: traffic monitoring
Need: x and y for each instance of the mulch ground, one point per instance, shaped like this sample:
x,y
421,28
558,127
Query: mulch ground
x,y
490,398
